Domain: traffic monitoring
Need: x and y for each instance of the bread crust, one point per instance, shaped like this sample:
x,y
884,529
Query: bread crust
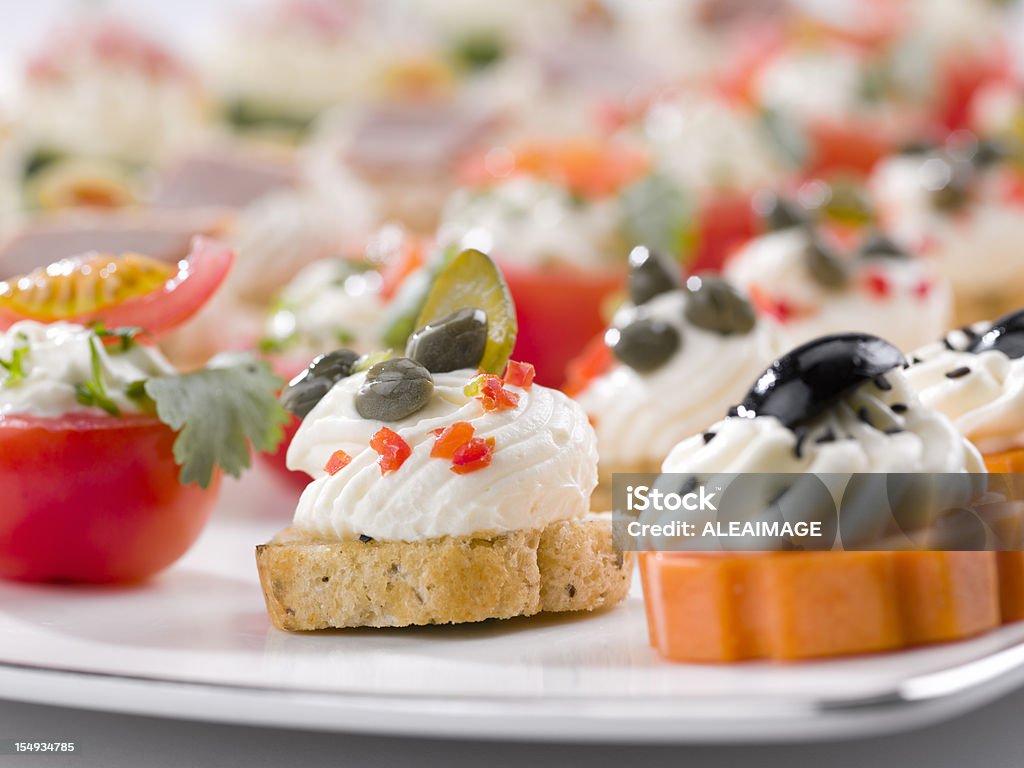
x,y
313,583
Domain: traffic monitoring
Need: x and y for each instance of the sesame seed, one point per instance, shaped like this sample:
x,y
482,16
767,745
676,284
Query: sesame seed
x,y
364,538
956,373
893,430
801,435
828,436
863,415
708,437
882,383
898,407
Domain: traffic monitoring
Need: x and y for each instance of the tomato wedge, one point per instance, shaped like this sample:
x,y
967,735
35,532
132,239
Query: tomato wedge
x,y
126,290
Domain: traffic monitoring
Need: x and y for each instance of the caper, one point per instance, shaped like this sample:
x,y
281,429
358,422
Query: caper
x,y
879,246
453,342
394,389
309,387
714,305
825,264
954,193
780,212
645,344
649,275
988,152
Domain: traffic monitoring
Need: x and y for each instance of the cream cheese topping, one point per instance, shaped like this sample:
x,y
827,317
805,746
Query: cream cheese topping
x,y
55,359
529,222
543,468
926,441
913,307
640,416
976,248
982,393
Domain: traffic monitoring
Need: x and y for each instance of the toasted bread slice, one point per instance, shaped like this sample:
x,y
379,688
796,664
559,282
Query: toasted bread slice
x,y
315,583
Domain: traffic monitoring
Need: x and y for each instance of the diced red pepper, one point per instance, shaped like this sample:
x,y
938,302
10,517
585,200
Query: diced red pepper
x,y
519,374
338,461
392,448
488,389
450,439
595,359
877,284
923,289
780,309
474,455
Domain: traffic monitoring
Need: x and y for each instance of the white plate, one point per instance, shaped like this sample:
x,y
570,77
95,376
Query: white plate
x,y
195,643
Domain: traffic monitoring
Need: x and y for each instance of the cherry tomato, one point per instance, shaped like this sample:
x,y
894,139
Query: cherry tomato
x,y
93,498
161,309
559,310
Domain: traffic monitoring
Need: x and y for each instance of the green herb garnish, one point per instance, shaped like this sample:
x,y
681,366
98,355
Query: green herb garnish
x,y
658,214
124,337
15,367
94,392
219,413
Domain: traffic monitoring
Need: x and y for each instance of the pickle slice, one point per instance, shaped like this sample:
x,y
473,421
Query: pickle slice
x,y
472,280
83,285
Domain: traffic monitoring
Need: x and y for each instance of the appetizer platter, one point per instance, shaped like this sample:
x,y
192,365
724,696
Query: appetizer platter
x,y
330,360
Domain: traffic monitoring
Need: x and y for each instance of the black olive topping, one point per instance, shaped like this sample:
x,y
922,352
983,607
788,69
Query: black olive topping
x,y
806,381
1006,335
780,212
451,343
394,389
828,436
957,373
714,305
309,387
649,275
879,246
825,264
801,436
645,344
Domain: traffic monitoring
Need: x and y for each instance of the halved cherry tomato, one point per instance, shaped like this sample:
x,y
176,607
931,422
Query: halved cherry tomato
x,y
559,310
93,498
146,298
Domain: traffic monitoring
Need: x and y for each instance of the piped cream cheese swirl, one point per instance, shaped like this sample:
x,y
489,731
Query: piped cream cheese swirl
x,y
639,417
983,393
543,468
869,430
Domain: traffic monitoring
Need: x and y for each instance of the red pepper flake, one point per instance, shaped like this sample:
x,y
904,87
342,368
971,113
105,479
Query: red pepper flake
x,y
877,284
392,448
923,289
474,455
450,439
488,389
777,308
338,461
519,374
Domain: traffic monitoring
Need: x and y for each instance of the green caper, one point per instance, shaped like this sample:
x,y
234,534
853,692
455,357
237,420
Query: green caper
x,y
714,305
879,246
309,387
453,342
989,152
394,389
645,344
780,212
649,276
826,265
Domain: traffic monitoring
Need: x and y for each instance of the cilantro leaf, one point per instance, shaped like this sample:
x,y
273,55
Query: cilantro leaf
x,y
218,413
